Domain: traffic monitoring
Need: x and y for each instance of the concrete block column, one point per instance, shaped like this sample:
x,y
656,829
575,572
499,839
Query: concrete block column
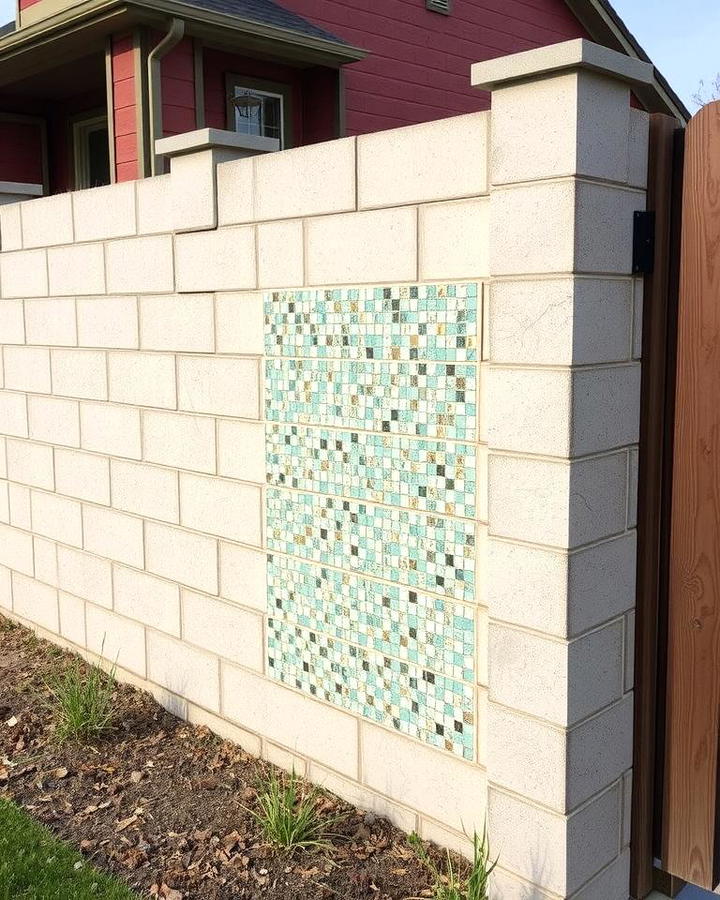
x,y
568,159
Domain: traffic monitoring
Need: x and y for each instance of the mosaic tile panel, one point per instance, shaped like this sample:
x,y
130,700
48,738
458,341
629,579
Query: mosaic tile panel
x,y
426,551
421,322
432,476
391,619
425,399
413,700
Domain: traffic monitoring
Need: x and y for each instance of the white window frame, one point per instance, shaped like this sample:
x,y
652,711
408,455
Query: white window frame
x,y
241,89
82,128
263,88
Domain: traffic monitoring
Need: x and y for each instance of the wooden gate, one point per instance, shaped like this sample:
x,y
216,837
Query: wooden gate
x,y
676,804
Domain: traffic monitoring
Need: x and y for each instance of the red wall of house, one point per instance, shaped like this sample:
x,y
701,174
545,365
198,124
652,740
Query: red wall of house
x,y
419,63
124,108
21,152
178,89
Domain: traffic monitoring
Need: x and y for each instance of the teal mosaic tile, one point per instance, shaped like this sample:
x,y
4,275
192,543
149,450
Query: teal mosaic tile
x,y
409,698
420,322
426,551
424,399
432,476
391,619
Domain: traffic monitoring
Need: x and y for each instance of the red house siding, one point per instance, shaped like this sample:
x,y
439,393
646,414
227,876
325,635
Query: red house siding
x,y
21,152
178,89
125,108
419,63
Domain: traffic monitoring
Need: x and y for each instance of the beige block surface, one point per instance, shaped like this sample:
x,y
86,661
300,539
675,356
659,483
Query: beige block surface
x,y
280,254
57,518
5,576
222,260
604,229
292,720
142,379
72,618
187,442
82,475
54,420
104,212
362,247
107,322
184,670
16,550
27,369
35,601
4,502
638,291
154,204
12,322
613,883
113,535
235,191
243,575
85,575
10,227
223,628
454,240
116,639
639,141
13,413
111,429
79,373
147,599
222,507
47,221
178,322
45,554
76,270
30,463
24,274
240,323
241,450
438,160
190,559
19,499
219,386
140,265
249,742
145,490
51,322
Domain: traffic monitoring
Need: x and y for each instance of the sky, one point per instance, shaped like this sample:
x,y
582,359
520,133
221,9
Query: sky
x,y
682,38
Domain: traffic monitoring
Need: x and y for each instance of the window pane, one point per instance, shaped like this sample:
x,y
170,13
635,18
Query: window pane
x,y
261,116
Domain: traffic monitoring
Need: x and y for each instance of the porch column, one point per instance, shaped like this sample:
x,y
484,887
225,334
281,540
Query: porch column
x,y
568,161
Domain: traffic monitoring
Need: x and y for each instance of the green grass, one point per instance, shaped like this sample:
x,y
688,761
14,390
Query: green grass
x,y
36,866
84,700
448,885
289,816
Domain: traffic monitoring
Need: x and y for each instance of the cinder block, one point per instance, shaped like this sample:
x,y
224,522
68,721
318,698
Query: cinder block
x,y
3,462
184,670
4,502
30,463
107,322
604,228
54,420
20,513
45,554
243,575
235,191
147,599
47,221
13,413
222,260
16,550
51,322
375,246
240,323
85,575
5,575
76,270
439,160
454,240
154,204
72,618
10,227
613,883
104,212
116,639
560,321
178,322
24,274
638,290
141,265
241,450
82,475
27,369
638,151
444,837
303,725
12,322
111,429
249,742
225,508
190,559
57,518
284,759
113,535
194,188
187,442
223,629
280,254
145,490
629,679
447,789
142,379
219,386
633,463
79,373
35,601
557,503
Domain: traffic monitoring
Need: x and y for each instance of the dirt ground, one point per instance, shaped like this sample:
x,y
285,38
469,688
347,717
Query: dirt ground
x,y
163,805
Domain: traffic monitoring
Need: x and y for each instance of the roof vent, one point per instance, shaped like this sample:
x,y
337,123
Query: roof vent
x,y
439,6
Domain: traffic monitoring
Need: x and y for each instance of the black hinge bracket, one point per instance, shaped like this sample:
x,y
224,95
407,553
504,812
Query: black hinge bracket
x,y
643,243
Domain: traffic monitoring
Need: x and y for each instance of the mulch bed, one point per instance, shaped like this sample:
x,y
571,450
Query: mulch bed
x,y
162,804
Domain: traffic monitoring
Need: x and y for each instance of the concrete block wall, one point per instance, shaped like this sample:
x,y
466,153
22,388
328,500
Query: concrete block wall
x,y
458,290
